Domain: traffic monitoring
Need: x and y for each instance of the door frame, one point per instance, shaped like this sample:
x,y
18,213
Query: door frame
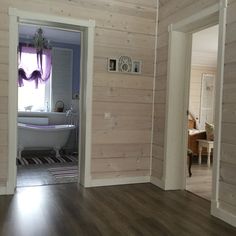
x,y
179,67
17,16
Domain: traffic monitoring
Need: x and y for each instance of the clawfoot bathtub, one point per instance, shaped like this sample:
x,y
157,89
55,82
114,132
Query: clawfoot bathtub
x,y
42,136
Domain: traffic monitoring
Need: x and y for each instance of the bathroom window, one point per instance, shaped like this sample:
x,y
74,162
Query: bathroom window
x,y
31,98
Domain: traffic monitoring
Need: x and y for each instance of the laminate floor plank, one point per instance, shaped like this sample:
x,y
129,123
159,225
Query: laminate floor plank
x,y
132,210
200,183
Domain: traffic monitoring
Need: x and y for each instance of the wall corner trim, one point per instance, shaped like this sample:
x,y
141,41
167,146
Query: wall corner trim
x,y
119,181
157,182
222,214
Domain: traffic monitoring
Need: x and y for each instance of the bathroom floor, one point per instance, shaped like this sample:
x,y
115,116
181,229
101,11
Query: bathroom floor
x,y
35,172
46,174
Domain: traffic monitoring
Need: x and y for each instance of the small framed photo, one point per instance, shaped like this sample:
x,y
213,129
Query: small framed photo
x,y
112,65
136,66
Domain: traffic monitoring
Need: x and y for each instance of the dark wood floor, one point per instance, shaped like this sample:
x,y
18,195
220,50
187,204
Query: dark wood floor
x,y
142,209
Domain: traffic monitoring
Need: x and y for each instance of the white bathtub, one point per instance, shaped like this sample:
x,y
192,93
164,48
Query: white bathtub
x,y
42,136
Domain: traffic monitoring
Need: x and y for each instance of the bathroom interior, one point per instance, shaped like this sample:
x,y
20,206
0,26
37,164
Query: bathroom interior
x,y
49,71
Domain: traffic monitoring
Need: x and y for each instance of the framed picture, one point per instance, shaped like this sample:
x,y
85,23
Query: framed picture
x,y
136,66
112,65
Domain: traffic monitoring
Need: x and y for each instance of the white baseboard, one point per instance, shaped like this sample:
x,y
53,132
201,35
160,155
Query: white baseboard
x,y
222,214
157,182
3,190
119,181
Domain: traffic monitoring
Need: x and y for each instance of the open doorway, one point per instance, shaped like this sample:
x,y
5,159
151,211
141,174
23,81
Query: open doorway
x,y
201,111
49,69
87,27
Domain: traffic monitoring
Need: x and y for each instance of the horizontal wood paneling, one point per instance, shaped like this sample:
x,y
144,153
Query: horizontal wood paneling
x,y
227,194
3,122
112,94
117,164
123,109
123,27
120,150
123,81
122,123
120,39
3,105
4,58
3,72
119,174
227,190
158,152
157,170
229,73
3,87
229,95
4,38
228,153
182,13
227,173
121,136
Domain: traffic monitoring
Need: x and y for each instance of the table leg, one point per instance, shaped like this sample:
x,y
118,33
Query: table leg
x,y
190,157
200,155
209,157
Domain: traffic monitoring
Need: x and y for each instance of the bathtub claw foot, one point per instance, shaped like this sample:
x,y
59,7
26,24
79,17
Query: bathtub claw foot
x,y
20,149
57,150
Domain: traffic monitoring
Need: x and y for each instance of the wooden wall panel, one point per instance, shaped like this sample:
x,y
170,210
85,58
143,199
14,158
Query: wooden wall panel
x,y
120,150
227,196
3,72
123,27
227,190
123,109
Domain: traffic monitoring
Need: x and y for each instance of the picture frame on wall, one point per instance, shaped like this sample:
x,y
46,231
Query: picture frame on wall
x,y
112,65
136,66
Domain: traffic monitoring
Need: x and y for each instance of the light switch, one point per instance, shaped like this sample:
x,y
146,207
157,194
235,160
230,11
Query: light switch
x,y
107,115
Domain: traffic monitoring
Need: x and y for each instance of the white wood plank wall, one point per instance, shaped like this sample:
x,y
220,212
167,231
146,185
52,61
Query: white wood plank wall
x,y
227,191
121,144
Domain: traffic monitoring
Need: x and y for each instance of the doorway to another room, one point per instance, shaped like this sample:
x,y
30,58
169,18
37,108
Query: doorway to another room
x,y
52,109
201,111
49,69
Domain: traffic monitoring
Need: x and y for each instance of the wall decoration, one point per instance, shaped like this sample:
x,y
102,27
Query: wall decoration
x,y
112,65
136,66
125,64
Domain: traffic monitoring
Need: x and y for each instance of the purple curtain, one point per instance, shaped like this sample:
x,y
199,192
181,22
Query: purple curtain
x,y
39,71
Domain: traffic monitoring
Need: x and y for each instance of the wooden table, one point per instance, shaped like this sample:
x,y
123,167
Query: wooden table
x,y
209,146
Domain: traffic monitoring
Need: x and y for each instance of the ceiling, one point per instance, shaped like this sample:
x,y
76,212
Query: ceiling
x,y
205,47
52,34
206,40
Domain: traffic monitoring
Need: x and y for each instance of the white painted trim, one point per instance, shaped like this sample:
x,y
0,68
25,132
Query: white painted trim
x,y
218,102
120,181
157,182
176,112
89,100
12,104
89,26
196,17
200,18
222,214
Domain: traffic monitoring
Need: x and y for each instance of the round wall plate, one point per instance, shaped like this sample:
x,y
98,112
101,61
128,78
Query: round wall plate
x,y
125,64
